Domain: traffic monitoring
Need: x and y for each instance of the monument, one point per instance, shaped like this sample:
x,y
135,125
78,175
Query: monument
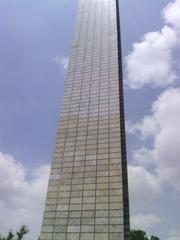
x,y
87,196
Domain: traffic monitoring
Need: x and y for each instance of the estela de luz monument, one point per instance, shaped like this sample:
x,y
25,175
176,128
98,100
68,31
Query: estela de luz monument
x,y
87,197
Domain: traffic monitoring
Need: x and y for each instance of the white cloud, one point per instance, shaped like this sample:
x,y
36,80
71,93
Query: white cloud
x,y
171,14
61,61
143,186
144,221
21,200
149,127
64,62
151,61
174,234
166,139
143,157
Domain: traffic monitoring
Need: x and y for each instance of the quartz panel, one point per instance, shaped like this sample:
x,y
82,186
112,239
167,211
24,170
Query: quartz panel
x,y
85,192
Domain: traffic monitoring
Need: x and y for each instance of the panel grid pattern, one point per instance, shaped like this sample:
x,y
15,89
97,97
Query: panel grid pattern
x,y
85,191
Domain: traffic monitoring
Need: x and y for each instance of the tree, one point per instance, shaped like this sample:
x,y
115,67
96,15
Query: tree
x,y
23,230
138,235
141,235
154,238
10,235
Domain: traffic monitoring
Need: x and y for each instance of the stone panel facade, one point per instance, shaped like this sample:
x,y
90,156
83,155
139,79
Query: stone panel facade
x,y
87,195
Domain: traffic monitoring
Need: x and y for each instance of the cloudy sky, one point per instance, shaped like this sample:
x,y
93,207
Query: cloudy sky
x,y
35,37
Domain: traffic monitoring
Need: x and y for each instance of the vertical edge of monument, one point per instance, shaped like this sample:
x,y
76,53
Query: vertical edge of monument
x,y
123,133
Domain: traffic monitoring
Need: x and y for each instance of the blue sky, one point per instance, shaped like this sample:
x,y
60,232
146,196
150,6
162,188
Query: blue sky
x,y
35,38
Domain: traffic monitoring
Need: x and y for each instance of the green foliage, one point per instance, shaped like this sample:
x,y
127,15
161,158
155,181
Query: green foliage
x,y
138,235
2,238
10,235
141,235
23,230
154,238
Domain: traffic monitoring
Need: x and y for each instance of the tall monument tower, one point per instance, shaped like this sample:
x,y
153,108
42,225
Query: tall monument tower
x,y
87,195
